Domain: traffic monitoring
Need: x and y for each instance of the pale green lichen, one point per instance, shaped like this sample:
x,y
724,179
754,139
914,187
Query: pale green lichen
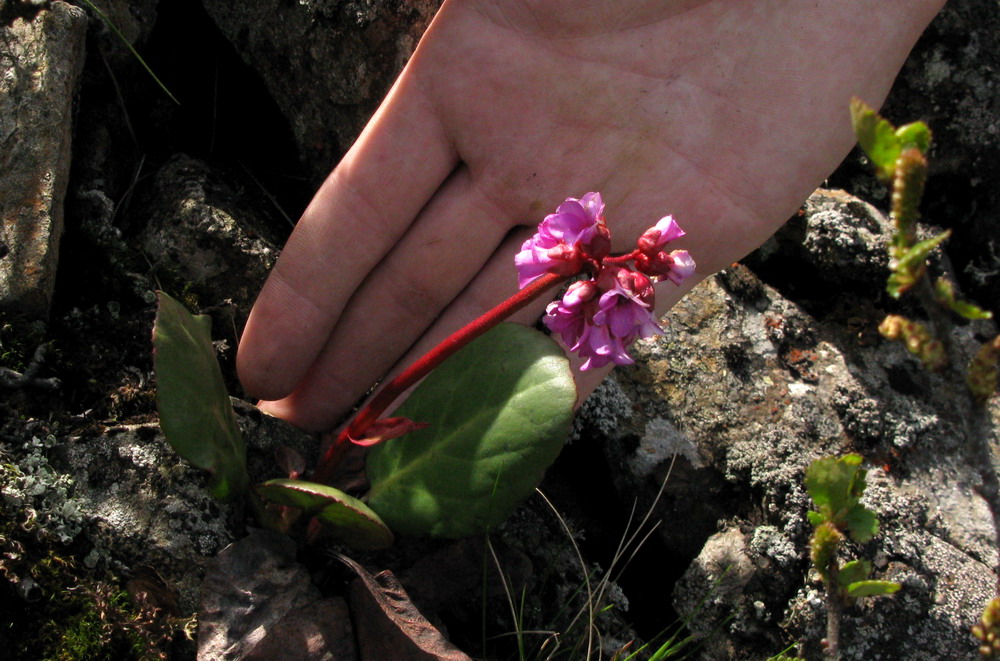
x,y
42,494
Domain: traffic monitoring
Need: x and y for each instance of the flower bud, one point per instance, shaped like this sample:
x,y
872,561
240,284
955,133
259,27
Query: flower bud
x,y
580,292
657,236
599,245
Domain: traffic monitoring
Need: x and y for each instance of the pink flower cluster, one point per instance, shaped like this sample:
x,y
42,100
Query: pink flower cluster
x,y
598,318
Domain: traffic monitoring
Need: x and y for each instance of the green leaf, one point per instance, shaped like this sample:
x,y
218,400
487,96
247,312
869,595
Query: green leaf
x,y
877,138
916,135
346,518
499,413
917,254
816,518
196,415
945,292
901,282
832,484
854,571
871,588
861,523
969,310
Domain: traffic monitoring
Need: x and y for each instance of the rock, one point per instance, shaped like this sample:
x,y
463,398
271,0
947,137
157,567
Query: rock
x,y
132,501
746,387
835,242
206,237
259,603
40,68
327,64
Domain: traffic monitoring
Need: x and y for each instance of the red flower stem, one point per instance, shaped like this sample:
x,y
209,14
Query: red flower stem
x,y
621,259
423,366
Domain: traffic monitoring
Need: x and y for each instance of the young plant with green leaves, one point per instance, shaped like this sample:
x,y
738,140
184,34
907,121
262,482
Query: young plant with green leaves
x,y
491,412
900,160
836,486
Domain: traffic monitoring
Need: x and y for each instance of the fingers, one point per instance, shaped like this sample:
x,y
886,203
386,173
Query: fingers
x,y
404,295
328,391
359,213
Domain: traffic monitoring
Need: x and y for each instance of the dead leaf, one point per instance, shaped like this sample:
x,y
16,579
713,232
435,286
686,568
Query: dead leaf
x,y
389,626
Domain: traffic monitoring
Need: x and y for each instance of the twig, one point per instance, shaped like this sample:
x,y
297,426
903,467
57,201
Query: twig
x,y
12,380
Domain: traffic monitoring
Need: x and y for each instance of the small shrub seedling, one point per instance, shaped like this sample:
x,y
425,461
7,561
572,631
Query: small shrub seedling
x,y
836,486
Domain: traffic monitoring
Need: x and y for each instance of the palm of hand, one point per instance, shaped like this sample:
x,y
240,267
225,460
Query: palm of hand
x,y
723,113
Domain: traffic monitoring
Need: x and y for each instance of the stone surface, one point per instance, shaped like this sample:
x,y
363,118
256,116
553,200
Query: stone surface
x,y
131,501
258,602
746,387
40,64
206,237
327,64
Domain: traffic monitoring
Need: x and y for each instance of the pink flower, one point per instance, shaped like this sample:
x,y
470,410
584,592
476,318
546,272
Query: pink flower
x,y
656,263
599,318
565,240
657,236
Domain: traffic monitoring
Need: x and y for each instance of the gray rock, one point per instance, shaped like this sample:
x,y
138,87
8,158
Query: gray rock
x,y
327,64
258,602
40,64
205,236
741,392
836,242
126,495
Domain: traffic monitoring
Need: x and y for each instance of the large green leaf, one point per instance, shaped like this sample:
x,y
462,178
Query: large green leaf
x,y
345,517
196,416
499,412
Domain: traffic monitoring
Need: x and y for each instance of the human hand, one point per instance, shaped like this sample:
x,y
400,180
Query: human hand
x,y
724,113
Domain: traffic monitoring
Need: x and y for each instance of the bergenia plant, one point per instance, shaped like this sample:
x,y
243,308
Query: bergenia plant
x,y
491,413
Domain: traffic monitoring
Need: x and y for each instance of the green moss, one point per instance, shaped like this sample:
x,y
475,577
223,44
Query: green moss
x,y
91,634
55,610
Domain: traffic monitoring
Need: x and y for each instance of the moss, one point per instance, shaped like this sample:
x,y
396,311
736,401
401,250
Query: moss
x,y
101,629
56,610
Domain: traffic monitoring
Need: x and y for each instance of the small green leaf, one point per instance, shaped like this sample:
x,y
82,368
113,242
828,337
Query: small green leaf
x,y
861,523
196,415
831,482
871,588
854,571
346,518
877,138
970,310
917,254
499,413
900,282
916,135
816,518
945,292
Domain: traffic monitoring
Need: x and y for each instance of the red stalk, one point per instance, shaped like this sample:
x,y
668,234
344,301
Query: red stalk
x,y
423,366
